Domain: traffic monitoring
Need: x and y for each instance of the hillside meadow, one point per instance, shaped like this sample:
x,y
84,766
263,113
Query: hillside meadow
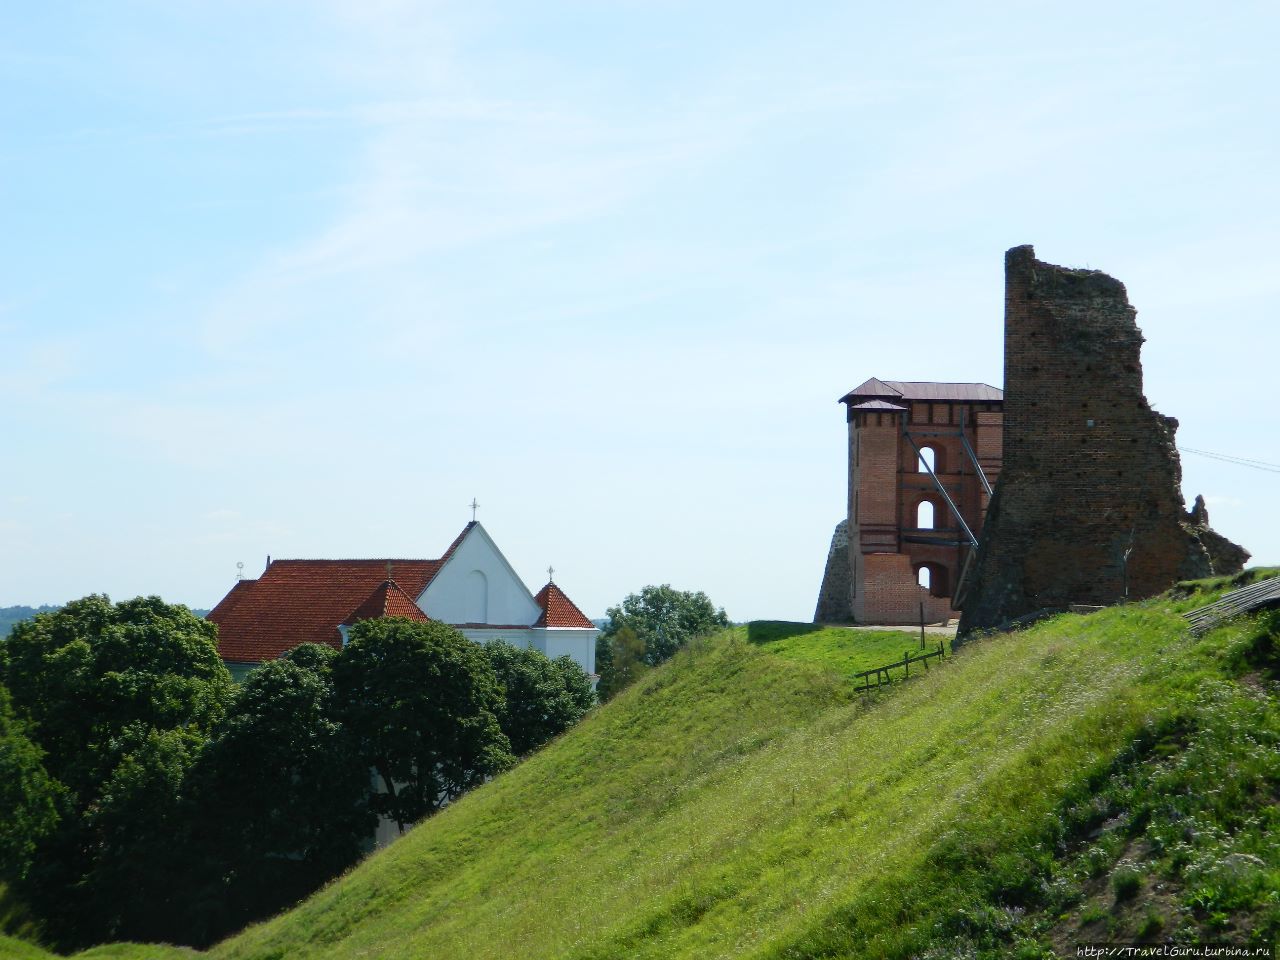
x,y
1094,777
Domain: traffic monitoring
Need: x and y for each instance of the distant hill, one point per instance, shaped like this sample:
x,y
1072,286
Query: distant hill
x,y
11,615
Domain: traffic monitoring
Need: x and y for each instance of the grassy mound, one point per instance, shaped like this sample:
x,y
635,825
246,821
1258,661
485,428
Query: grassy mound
x,y
1100,777
841,649
742,802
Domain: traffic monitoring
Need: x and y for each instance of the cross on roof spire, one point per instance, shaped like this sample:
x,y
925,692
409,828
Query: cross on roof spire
x,y
474,507
551,572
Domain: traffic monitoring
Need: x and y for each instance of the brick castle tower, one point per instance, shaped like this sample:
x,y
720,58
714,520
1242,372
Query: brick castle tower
x,y
911,528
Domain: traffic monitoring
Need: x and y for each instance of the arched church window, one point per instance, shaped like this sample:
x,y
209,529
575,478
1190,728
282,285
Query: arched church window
x,y
476,595
924,577
924,515
927,461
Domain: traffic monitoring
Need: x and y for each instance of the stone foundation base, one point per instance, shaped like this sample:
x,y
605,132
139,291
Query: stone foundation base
x,y
835,599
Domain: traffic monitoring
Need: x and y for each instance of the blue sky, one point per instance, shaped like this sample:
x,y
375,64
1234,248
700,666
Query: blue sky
x,y
304,278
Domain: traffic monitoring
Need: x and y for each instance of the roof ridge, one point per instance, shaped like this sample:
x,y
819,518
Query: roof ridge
x,y
457,541
354,560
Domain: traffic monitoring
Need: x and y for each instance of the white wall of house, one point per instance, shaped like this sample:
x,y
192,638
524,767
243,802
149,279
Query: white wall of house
x,y
521,637
579,643
576,642
477,585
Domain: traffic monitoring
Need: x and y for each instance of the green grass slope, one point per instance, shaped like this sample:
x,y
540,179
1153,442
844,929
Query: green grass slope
x,y
844,650
1095,776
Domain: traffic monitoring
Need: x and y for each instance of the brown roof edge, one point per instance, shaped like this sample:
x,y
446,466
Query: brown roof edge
x,y
924,390
457,541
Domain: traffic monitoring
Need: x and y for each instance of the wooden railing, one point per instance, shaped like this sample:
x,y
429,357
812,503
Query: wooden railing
x,y
882,676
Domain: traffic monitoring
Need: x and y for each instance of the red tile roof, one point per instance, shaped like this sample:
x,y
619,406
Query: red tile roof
x,y
924,390
558,610
303,601
388,600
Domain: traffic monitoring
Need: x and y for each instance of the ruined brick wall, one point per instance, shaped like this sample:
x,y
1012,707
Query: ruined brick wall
x,y
1226,557
886,487
1090,471
835,599
888,592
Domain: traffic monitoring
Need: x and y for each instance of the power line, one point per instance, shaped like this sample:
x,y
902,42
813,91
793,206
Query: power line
x,y
1238,461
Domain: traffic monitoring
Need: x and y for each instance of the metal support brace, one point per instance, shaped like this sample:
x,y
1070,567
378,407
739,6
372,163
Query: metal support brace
x,y
973,541
973,457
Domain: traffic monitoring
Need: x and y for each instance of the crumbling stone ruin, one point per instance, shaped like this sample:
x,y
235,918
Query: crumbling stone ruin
x,y
1088,508
835,597
1225,556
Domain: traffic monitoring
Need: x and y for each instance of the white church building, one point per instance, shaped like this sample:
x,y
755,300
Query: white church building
x,y
471,587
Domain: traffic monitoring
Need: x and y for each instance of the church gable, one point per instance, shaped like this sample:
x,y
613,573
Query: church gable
x,y
476,585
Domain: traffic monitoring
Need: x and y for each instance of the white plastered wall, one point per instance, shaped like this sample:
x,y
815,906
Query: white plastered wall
x,y
477,585
576,642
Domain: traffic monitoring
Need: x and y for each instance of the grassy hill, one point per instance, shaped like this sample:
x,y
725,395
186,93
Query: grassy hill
x,y
1093,778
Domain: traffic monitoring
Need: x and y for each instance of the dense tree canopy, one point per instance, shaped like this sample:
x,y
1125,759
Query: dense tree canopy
x,y
541,697
28,797
422,702
86,674
278,798
143,797
120,698
662,619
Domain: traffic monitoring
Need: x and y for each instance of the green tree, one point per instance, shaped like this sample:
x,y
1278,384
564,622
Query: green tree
x,y
120,698
422,702
278,798
623,663
28,796
84,674
541,697
664,619
134,885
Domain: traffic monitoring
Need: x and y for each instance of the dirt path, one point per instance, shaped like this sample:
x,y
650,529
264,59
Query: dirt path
x,y
930,628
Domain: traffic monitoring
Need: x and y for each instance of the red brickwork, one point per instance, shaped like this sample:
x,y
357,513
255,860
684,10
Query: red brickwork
x,y
887,546
1090,470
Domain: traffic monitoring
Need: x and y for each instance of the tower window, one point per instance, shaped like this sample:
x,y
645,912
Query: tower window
x,y
924,515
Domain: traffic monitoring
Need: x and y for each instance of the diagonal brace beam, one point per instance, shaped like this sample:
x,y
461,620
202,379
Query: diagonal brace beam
x,y
941,489
973,457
